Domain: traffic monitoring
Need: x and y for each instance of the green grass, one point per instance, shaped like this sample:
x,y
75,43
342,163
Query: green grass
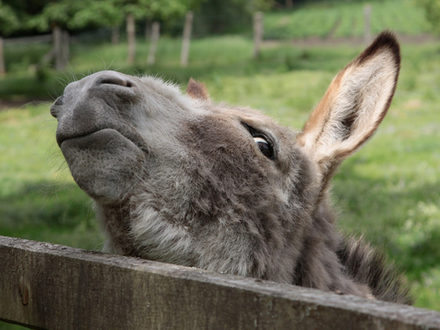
x,y
300,23
342,19
38,197
210,58
389,191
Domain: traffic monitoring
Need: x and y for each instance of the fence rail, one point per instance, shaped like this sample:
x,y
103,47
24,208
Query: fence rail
x,y
51,286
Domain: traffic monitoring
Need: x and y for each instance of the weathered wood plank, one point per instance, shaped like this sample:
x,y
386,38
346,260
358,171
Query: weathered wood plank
x,y
56,287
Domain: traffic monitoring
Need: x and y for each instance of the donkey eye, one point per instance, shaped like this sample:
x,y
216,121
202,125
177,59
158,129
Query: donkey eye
x,y
265,146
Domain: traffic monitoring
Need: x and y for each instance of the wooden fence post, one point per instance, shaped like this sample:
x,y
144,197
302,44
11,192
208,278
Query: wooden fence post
x,y
115,35
131,38
258,32
367,22
147,30
186,39
60,47
65,49
2,58
57,47
155,34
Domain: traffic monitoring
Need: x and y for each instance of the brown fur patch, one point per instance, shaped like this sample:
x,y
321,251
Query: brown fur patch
x,y
321,114
197,90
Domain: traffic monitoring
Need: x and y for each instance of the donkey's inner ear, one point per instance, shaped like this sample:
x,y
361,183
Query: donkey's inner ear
x,y
354,104
197,90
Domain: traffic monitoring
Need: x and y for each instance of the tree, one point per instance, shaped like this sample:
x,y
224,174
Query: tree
x,y
157,11
63,15
57,16
8,23
106,13
114,11
187,30
186,38
153,11
133,9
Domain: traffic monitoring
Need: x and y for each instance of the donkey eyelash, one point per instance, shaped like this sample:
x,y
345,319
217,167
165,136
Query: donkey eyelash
x,y
263,141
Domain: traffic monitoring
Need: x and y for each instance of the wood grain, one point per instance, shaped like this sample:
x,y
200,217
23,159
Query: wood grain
x,y
50,286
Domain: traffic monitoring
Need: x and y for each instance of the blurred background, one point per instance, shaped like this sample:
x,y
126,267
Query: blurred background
x,y
275,55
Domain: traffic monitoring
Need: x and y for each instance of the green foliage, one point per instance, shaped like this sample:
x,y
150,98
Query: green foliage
x,y
78,14
8,19
97,13
162,9
220,16
262,5
56,13
157,9
432,10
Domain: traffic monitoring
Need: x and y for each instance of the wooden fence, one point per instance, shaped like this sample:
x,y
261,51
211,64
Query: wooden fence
x,y
51,286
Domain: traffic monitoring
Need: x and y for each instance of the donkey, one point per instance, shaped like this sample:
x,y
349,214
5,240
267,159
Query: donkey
x,y
178,178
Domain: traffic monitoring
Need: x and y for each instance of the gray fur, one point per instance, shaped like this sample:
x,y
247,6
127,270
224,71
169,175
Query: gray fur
x,y
181,180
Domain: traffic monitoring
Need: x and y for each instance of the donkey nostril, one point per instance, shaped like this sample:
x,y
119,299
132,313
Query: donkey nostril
x,y
59,100
55,106
115,81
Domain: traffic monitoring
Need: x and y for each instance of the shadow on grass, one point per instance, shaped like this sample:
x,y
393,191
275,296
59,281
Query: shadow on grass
x,y
50,211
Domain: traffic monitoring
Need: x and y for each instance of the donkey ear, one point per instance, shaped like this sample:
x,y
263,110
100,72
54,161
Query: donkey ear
x,y
353,106
197,90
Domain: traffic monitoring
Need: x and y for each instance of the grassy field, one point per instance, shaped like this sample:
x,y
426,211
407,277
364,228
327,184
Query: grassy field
x,y
345,19
389,191
210,58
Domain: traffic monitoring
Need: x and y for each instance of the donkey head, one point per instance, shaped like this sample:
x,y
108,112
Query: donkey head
x,y
178,178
